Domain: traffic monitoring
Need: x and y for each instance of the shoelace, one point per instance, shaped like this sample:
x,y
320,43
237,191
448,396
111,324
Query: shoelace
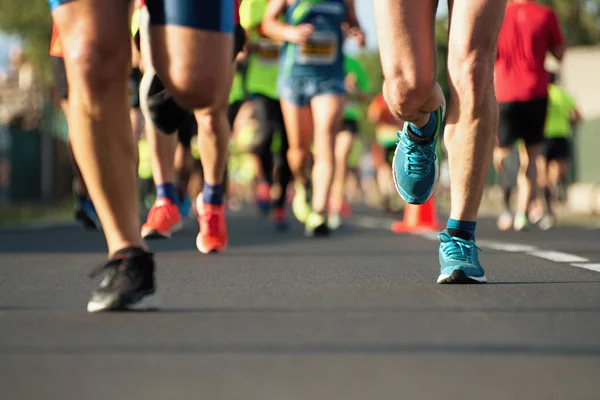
x,y
419,159
210,224
457,249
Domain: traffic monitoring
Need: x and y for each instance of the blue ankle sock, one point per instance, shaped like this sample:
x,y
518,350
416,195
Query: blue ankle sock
x,y
426,131
166,191
212,194
462,229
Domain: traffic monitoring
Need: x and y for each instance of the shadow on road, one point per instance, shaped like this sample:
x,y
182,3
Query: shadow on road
x,y
244,231
313,349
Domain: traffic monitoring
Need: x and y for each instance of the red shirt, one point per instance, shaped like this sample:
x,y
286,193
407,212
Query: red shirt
x,y
56,49
379,110
236,12
529,31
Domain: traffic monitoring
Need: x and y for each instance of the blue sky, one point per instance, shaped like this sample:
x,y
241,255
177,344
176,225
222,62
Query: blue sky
x,y
6,43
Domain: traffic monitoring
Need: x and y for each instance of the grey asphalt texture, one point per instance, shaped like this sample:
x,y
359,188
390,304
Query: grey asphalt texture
x,y
279,316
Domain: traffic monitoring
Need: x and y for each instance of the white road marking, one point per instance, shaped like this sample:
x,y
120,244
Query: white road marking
x,y
555,256
427,235
509,247
591,267
371,222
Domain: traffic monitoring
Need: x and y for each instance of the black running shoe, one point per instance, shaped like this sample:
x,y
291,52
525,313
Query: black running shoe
x,y
316,225
128,282
85,214
85,221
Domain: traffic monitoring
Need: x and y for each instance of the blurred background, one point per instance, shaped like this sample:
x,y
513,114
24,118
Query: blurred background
x,y
35,174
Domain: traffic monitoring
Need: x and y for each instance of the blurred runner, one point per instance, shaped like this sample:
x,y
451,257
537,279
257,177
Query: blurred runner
x,y
192,47
172,160
529,32
508,171
85,213
164,217
554,160
357,86
261,84
311,86
406,33
386,138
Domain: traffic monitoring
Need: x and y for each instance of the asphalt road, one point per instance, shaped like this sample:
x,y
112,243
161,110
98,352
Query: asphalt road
x,y
279,316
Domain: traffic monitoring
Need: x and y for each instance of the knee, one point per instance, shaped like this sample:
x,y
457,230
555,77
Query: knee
x,y
212,121
341,153
406,92
99,65
471,73
195,90
297,154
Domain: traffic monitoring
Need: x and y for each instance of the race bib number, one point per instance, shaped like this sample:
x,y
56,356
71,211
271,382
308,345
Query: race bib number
x,y
322,49
267,52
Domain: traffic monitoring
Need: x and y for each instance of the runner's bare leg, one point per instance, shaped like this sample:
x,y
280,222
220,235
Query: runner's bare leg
x,y
472,118
408,57
177,57
97,58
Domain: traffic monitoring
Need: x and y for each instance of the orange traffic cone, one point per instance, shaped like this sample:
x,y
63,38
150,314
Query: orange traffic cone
x,y
418,218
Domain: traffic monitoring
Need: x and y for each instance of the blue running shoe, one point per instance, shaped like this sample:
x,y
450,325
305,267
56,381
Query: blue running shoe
x,y
415,166
459,263
185,206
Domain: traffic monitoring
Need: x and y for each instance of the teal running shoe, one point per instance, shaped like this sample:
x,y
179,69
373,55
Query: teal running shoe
x,y
415,166
459,263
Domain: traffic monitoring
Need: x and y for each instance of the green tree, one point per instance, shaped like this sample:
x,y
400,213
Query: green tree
x,y
580,20
31,21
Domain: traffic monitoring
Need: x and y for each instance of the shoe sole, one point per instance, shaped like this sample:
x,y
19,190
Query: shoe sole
x,y
206,250
458,277
139,301
154,234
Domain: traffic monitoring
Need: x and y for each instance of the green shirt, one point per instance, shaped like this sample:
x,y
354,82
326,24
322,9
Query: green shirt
x,y
145,164
560,107
263,68
237,92
354,67
263,63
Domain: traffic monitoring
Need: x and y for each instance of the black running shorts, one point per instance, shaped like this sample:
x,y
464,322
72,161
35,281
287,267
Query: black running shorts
x,y
522,120
60,77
